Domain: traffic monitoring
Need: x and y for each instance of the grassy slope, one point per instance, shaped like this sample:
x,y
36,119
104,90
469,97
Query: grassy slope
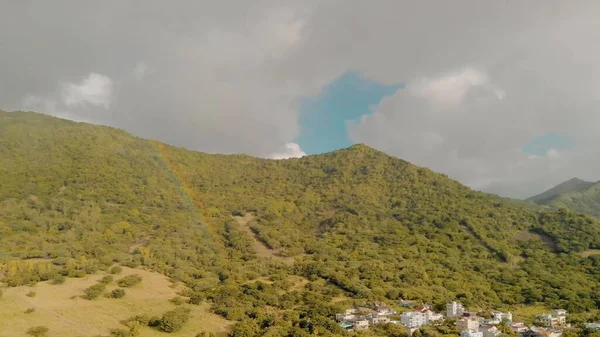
x,y
66,316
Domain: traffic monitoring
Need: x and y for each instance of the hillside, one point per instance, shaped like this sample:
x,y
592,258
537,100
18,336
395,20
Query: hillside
x,y
577,195
569,186
354,223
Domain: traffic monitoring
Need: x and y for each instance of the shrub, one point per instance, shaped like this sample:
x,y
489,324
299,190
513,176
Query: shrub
x,y
115,270
60,261
174,320
38,331
31,294
177,300
30,310
154,321
77,273
94,291
58,279
106,279
196,299
205,334
141,319
129,281
117,293
121,333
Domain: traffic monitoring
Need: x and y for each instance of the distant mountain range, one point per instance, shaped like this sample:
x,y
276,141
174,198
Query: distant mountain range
x,y
575,194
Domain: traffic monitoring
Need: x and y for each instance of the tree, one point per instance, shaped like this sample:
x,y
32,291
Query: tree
x,y
115,270
173,321
245,328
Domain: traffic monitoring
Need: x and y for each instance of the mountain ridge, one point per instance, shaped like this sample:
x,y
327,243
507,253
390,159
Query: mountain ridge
x,y
571,185
575,194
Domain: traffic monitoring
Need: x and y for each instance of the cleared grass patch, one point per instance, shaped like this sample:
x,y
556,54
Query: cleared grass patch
x,y
528,313
589,252
259,247
527,235
66,314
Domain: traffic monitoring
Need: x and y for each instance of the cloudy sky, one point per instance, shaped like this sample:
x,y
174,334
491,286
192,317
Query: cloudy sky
x,y
503,96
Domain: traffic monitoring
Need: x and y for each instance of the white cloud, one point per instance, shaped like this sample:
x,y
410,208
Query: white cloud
x,y
553,154
449,89
96,89
488,77
50,105
290,150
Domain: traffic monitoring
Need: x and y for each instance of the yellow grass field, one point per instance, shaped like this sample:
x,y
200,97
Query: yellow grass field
x,y
66,314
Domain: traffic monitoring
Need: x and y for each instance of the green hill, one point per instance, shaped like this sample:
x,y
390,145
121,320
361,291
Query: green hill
x,y
569,186
577,195
357,223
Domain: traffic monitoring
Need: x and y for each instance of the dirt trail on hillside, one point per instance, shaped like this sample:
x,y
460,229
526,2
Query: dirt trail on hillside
x,y
260,247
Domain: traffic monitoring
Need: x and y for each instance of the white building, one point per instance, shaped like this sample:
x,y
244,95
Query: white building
x,y
471,333
518,327
454,309
490,331
361,325
379,320
543,332
413,319
432,317
491,321
467,324
593,326
345,317
502,315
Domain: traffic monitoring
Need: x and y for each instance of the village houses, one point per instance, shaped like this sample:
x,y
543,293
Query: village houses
x,y
468,323
362,318
557,318
541,332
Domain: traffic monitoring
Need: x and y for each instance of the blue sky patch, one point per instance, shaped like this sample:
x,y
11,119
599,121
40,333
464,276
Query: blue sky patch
x,y
540,145
323,118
